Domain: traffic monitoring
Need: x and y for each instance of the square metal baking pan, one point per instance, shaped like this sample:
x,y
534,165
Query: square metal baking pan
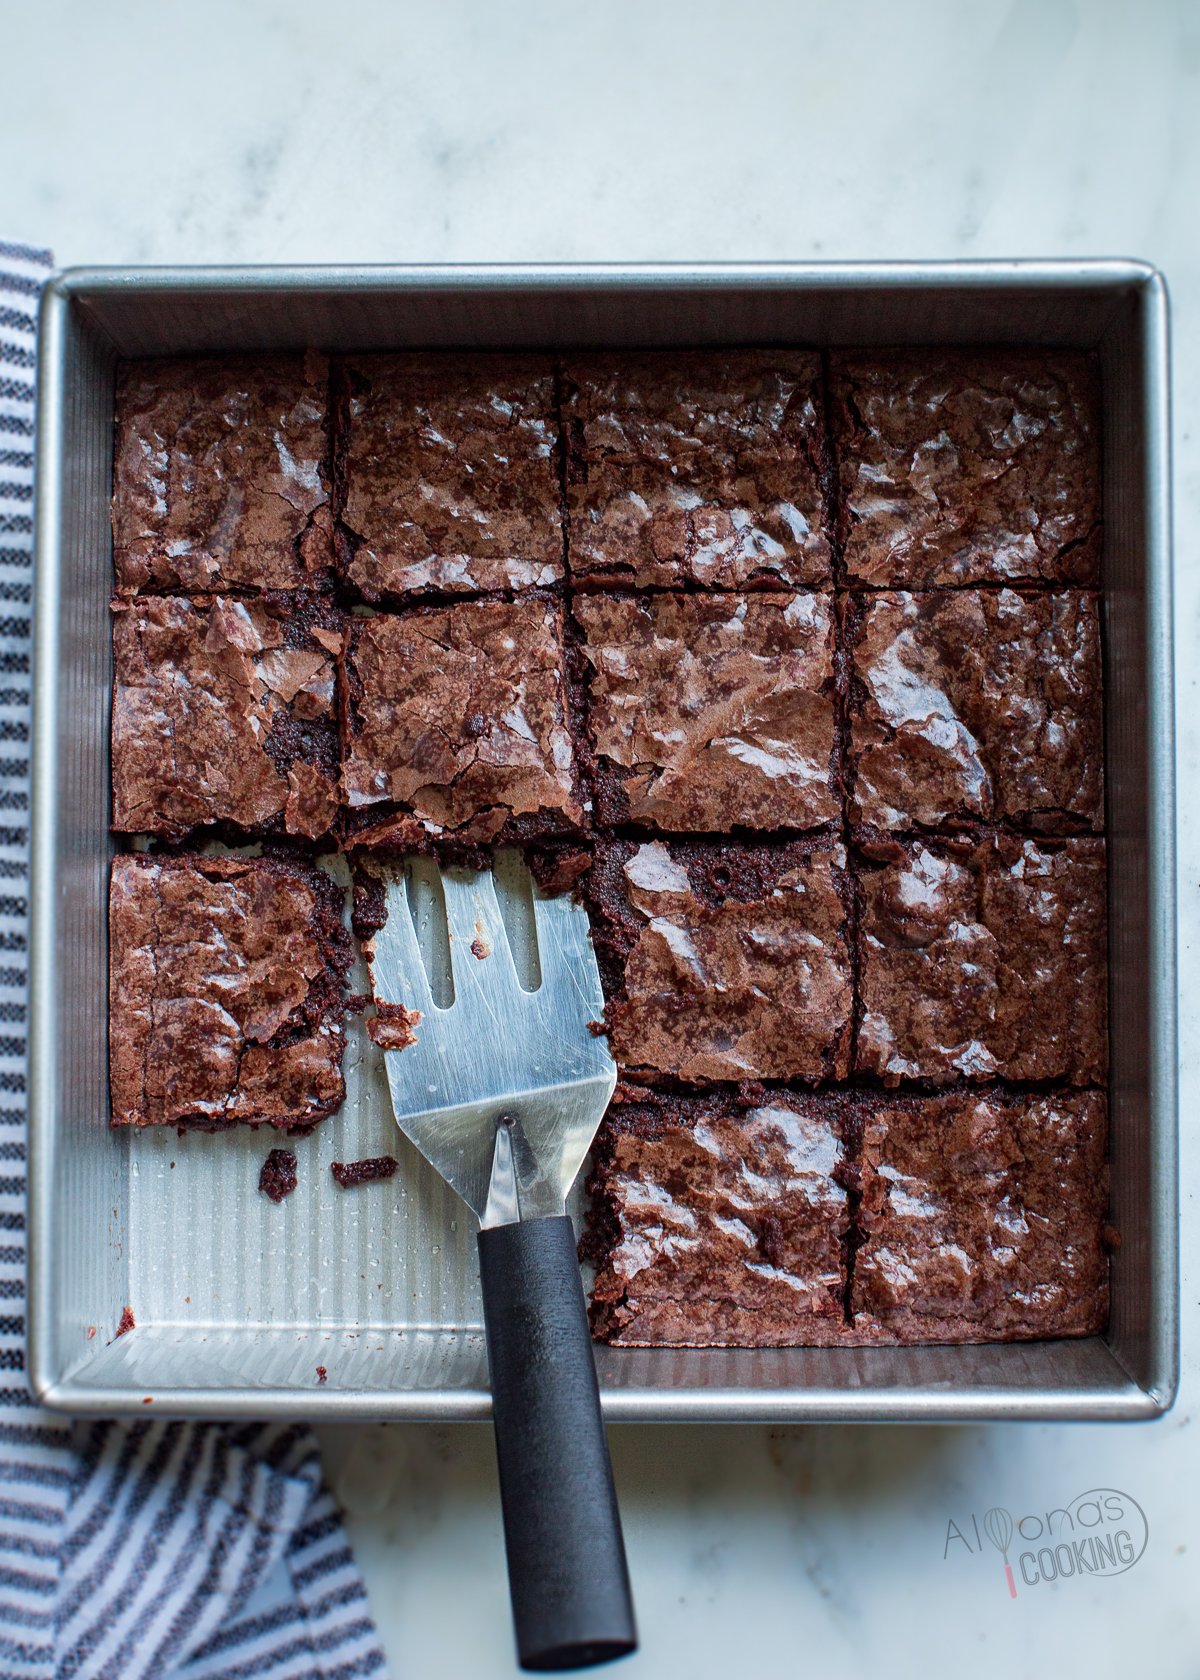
x,y
237,1302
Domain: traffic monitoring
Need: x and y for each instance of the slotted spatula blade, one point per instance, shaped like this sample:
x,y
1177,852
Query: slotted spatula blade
x,y
497,1050
502,1089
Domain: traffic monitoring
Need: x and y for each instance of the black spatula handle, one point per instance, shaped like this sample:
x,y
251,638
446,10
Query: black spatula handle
x,y
562,1530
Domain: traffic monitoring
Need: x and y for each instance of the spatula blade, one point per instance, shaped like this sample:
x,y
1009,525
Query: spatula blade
x,y
493,1051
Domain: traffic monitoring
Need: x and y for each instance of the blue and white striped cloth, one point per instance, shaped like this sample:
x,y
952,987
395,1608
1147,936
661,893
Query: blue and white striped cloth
x,y
129,1552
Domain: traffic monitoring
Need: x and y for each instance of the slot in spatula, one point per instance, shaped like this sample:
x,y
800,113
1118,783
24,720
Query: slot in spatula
x,y
502,1092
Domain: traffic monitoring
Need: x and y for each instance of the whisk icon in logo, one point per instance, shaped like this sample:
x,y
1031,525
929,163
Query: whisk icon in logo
x,y
998,1526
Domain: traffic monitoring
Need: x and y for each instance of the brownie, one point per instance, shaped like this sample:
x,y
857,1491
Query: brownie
x,y
977,704
716,1223
223,714
455,719
963,466
226,984
983,1218
984,960
451,475
724,962
220,479
708,712
696,468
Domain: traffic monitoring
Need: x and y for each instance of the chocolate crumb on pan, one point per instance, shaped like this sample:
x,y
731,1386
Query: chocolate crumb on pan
x,y
392,1027
350,1174
278,1177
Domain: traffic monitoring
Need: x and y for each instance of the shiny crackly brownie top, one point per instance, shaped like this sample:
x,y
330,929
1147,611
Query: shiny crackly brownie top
x,y
984,959
223,714
712,711
724,962
456,716
982,1217
979,705
219,477
226,991
701,467
722,1221
451,475
960,466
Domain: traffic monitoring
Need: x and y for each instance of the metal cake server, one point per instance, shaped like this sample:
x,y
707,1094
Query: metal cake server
x,y
502,1091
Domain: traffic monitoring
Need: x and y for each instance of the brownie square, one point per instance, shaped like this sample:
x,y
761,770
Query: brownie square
x,y
696,468
451,475
984,960
226,987
724,962
223,714
710,712
960,467
983,1218
719,1224
220,479
455,718
972,704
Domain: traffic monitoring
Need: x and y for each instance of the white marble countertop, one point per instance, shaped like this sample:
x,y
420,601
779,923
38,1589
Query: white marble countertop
x,y
294,131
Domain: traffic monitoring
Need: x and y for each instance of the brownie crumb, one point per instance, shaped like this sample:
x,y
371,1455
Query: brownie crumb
x,y
127,1323
391,1027
278,1177
322,1374
349,1174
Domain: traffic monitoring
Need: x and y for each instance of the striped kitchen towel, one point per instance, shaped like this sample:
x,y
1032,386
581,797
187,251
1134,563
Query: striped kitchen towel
x,y
129,1551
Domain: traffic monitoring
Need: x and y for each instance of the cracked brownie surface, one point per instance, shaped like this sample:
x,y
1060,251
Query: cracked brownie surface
x,y
961,467
224,714
720,1222
710,712
977,705
984,959
456,718
787,664
982,1218
226,981
451,475
724,962
220,477
699,467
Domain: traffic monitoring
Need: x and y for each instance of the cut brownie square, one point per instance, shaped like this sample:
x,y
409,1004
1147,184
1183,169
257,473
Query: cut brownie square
x,y
724,962
451,475
219,480
983,1218
226,988
974,704
986,960
719,1224
223,714
455,718
697,468
968,467
710,712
